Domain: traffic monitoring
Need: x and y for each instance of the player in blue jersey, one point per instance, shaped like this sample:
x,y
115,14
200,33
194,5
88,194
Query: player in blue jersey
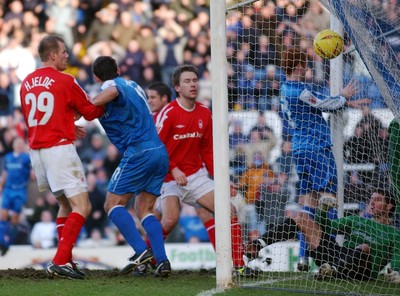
x,y
311,139
129,124
14,186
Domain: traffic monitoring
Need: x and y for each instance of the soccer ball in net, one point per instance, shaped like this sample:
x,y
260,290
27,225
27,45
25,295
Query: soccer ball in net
x,y
328,44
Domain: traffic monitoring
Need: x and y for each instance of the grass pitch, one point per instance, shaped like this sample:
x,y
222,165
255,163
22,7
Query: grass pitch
x,y
26,282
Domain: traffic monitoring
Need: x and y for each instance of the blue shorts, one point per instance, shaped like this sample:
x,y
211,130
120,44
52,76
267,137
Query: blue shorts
x,y
316,171
140,170
14,199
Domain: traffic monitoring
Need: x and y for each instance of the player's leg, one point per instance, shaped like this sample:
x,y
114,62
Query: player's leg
x,y
170,209
19,198
209,223
308,201
207,201
287,230
4,223
115,207
66,179
4,228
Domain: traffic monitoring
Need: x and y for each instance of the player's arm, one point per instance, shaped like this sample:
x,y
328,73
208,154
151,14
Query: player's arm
x,y
206,149
330,103
105,96
393,273
164,125
82,105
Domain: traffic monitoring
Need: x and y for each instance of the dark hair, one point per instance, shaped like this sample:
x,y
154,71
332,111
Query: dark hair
x,y
176,76
292,58
162,89
49,44
389,196
105,68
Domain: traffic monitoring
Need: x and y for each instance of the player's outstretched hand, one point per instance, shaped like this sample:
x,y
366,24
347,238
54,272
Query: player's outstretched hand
x,y
392,276
351,89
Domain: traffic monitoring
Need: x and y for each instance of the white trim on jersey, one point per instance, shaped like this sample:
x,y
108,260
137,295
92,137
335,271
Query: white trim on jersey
x,y
330,103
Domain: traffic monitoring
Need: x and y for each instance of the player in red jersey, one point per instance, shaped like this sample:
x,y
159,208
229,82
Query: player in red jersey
x,y
185,127
158,96
50,101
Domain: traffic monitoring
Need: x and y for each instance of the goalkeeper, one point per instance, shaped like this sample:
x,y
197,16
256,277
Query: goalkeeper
x,y
371,243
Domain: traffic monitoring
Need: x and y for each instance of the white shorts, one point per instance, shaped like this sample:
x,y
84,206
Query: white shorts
x,y
59,169
199,184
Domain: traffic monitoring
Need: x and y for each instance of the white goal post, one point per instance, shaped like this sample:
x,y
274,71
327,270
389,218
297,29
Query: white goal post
x,y
221,149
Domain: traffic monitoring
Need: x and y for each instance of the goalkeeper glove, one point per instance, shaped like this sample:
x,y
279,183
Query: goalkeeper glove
x,y
392,276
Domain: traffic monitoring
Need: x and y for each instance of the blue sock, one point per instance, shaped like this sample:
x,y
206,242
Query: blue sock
x,y
126,225
303,252
4,234
154,232
332,215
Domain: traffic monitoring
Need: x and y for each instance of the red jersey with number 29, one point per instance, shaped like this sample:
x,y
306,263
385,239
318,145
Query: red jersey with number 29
x,y
49,99
187,134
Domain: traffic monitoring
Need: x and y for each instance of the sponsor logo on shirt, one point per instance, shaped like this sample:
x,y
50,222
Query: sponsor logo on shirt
x,y
188,136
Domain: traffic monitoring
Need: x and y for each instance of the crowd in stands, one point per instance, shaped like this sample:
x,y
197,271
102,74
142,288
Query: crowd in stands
x,y
149,39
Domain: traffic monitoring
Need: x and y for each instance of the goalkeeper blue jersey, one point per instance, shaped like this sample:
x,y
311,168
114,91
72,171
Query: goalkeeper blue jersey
x,y
303,109
127,119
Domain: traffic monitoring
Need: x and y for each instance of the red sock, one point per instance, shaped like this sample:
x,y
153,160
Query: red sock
x,y
210,227
70,233
237,243
60,222
165,234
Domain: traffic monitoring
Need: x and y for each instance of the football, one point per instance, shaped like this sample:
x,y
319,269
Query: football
x,y
328,44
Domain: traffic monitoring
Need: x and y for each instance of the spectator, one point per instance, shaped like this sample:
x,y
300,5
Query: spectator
x,y
284,163
97,219
97,240
249,182
96,149
111,161
272,197
236,136
102,27
125,30
46,203
131,65
62,18
14,187
258,141
170,45
44,233
192,226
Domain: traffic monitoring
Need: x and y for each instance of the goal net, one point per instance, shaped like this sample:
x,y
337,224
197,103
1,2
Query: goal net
x,y
280,143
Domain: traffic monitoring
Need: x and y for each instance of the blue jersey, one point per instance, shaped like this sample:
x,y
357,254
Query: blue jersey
x,y
127,119
18,168
303,109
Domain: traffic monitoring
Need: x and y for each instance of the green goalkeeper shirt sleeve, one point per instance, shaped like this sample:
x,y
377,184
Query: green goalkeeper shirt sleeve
x,y
394,158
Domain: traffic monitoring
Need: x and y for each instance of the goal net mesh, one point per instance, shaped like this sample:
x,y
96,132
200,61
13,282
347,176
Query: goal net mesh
x,y
262,137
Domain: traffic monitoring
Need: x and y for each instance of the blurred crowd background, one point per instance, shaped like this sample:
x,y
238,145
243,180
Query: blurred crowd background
x,y
149,39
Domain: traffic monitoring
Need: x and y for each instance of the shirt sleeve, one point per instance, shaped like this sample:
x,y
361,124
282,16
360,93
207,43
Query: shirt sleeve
x,y
163,125
395,260
322,102
83,105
